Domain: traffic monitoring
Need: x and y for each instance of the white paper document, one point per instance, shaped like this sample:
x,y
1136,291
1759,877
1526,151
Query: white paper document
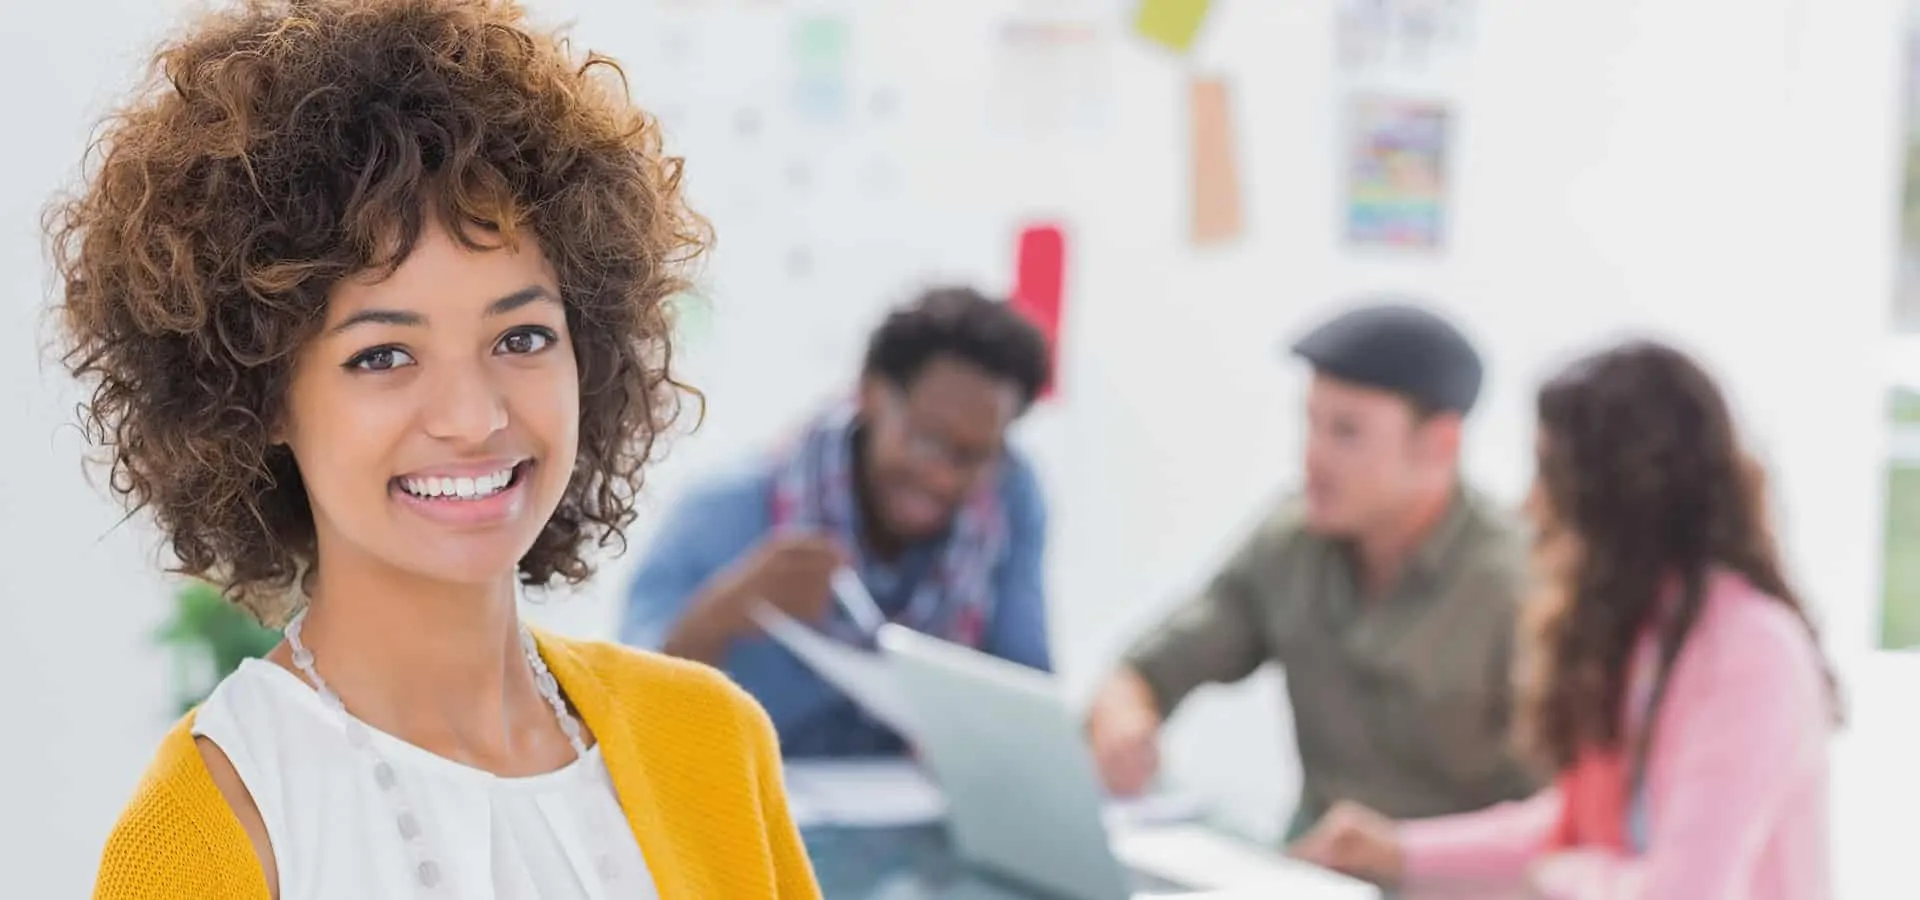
x,y
1157,808
1226,867
864,676
862,793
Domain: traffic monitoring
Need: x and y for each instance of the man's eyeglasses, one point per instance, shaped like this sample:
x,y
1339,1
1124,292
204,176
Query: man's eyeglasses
x,y
923,443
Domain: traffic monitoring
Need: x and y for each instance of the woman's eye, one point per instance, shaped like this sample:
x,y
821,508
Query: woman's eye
x,y
380,359
526,340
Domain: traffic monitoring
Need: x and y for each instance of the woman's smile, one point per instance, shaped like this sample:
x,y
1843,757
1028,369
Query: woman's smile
x,y
479,494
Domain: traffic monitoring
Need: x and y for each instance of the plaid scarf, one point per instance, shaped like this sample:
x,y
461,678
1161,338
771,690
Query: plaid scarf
x,y
814,491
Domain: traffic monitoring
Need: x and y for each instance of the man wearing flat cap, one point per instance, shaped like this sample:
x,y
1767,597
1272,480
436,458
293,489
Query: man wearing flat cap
x,y
1387,591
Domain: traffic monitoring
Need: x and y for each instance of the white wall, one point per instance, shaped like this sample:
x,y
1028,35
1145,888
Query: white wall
x,y
84,697
1719,172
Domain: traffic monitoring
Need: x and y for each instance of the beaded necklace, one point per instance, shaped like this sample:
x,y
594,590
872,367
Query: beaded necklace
x,y
428,876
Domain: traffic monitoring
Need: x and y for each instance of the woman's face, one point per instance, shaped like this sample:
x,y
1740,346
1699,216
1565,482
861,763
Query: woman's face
x,y
435,417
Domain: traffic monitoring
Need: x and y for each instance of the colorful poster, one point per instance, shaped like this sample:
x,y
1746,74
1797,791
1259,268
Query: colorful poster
x,y
821,68
1216,173
1171,23
1397,155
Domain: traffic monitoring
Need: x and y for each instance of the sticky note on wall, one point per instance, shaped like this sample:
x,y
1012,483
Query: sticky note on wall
x,y
1216,171
820,42
1173,23
820,55
1039,289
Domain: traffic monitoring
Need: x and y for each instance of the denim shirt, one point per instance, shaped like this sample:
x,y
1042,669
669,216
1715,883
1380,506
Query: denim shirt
x,y
722,519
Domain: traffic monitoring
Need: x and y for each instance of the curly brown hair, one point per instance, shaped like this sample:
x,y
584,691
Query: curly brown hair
x,y
282,145
1644,485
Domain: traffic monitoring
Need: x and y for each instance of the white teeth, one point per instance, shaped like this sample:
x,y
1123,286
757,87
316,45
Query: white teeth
x,y
461,488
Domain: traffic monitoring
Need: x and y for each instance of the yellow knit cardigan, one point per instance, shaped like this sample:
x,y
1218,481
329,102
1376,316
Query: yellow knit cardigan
x,y
693,758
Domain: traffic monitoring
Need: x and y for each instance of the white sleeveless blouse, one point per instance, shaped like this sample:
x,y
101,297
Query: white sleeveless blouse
x,y
333,831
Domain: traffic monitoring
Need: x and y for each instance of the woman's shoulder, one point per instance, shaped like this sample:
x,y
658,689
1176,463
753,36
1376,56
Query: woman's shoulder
x,y
1740,615
1749,638
665,690
177,837
621,667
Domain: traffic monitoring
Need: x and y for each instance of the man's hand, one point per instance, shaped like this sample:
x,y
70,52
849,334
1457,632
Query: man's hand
x,y
792,571
1123,728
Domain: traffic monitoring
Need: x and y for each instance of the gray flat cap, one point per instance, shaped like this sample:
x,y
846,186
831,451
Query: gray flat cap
x,y
1401,348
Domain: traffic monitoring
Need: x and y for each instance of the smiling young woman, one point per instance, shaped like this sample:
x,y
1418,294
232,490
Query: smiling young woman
x,y
370,295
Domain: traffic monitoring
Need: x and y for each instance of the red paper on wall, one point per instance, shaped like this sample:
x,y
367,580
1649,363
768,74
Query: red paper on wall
x,y
1039,286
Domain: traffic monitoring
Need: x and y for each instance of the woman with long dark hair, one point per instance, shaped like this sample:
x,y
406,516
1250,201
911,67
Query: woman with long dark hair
x,y
1673,678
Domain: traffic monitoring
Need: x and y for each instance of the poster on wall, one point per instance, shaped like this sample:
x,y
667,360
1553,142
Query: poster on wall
x,y
1215,168
1416,36
1396,179
821,94
1052,72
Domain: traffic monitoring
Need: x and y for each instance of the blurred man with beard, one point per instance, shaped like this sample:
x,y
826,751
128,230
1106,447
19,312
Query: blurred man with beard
x,y
908,484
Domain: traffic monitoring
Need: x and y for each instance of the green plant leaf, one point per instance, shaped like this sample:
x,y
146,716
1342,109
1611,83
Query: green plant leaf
x,y
208,635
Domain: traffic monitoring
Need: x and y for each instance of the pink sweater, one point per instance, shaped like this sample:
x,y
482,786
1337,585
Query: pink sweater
x,y
1736,789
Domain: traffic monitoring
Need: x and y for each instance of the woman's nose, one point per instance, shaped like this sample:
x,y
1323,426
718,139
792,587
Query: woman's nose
x,y
465,406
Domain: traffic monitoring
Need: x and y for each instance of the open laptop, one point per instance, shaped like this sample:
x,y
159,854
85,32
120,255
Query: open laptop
x,y
1024,801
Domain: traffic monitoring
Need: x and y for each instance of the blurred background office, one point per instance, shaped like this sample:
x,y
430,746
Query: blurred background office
x,y
1726,175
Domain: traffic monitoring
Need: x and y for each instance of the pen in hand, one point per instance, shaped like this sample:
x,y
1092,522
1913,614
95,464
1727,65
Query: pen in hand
x,y
853,597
